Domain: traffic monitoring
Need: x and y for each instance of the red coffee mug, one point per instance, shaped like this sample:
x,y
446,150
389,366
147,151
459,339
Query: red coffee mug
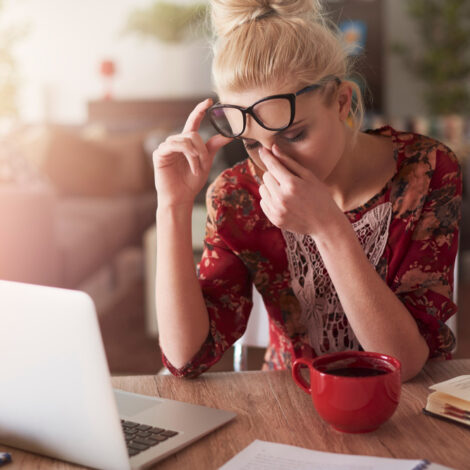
x,y
346,392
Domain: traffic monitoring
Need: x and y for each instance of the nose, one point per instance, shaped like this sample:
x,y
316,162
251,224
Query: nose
x,y
256,132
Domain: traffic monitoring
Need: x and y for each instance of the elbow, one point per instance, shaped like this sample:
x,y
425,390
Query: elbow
x,y
410,373
186,363
182,370
412,366
177,365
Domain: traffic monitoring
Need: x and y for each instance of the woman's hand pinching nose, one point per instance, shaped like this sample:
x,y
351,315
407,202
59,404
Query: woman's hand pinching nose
x,y
272,157
291,196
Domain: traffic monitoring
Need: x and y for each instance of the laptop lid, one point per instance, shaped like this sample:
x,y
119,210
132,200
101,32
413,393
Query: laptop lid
x,y
56,396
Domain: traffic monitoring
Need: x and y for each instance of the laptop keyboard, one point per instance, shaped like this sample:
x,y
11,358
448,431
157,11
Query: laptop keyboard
x,y
140,437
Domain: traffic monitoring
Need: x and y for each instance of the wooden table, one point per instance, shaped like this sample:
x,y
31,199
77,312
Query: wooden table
x,y
271,407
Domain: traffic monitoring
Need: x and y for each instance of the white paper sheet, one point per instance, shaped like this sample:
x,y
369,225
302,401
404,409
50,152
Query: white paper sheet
x,y
261,455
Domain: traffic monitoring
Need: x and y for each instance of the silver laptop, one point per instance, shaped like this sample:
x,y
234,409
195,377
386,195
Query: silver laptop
x,y
56,397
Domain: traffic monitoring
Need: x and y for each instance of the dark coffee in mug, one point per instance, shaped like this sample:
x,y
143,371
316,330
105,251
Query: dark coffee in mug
x,y
355,372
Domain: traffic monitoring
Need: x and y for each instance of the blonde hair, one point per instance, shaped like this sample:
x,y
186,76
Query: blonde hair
x,y
258,42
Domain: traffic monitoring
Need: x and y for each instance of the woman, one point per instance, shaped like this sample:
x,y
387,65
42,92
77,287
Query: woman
x,y
349,236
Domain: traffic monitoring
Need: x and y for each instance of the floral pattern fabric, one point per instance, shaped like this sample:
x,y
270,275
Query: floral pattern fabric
x,y
243,249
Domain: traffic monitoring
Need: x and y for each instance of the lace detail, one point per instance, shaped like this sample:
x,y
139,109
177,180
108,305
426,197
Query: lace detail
x,y
321,310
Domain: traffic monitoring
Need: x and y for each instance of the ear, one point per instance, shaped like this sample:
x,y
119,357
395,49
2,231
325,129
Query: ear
x,y
344,100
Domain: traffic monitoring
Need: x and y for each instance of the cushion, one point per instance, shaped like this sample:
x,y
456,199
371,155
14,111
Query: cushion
x,y
135,170
91,231
27,234
80,165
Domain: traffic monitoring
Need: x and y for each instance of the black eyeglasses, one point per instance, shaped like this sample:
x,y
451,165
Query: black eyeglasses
x,y
274,113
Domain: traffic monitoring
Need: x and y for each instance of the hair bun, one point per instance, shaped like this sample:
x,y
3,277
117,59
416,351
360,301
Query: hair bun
x,y
229,14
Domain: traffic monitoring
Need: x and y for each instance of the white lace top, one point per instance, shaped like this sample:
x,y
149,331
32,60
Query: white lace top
x,y
321,310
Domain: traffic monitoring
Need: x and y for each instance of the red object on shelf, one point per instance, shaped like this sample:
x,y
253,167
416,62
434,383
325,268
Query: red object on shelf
x,y
107,68
107,71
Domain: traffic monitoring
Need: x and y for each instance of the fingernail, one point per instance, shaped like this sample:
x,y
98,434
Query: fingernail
x,y
276,151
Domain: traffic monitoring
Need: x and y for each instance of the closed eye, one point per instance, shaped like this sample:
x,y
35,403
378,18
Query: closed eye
x,y
296,138
251,145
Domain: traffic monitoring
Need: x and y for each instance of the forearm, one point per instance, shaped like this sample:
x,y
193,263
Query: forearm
x,y
183,321
378,318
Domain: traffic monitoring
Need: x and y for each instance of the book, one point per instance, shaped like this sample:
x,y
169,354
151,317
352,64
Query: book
x,y
450,400
262,455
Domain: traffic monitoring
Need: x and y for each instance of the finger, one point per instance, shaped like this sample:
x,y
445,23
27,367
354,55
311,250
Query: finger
x,y
201,148
168,149
196,141
273,187
274,166
185,142
215,143
265,195
294,167
271,182
264,208
187,138
197,115
206,157
267,211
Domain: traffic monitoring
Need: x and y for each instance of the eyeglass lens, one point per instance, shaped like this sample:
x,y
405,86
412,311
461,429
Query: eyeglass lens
x,y
273,113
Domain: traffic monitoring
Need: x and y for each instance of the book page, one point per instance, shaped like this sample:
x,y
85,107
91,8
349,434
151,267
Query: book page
x,y
441,401
262,455
458,387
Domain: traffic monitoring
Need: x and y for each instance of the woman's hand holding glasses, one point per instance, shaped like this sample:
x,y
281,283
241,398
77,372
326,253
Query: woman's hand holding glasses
x,y
183,161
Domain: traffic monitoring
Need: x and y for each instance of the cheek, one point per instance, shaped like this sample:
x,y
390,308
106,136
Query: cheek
x,y
310,153
319,154
331,141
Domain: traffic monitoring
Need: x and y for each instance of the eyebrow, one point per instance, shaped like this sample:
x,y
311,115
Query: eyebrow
x,y
300,121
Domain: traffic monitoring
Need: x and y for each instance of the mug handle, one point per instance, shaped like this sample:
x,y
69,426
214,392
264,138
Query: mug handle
x,y
299,380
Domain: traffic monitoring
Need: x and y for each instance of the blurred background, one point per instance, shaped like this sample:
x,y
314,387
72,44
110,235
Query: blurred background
x,y
89,88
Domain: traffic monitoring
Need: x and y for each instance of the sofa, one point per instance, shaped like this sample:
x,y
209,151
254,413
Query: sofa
x,y
74,203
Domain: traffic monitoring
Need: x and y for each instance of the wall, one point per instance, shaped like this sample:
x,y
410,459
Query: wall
x,y
403,93
59,59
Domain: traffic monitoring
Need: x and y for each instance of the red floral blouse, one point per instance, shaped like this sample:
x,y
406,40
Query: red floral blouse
x,y
409,231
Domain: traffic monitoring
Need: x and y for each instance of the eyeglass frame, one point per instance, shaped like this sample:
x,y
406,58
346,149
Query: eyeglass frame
x,y
249,110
